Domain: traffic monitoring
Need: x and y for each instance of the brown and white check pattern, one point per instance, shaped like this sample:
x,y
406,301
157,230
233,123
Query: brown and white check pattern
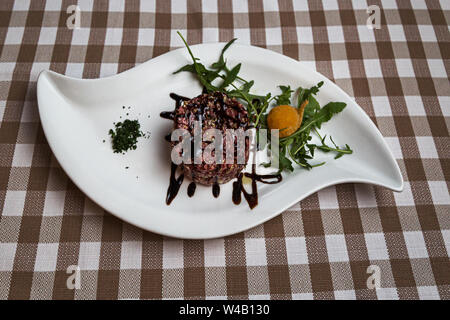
x,y
321,247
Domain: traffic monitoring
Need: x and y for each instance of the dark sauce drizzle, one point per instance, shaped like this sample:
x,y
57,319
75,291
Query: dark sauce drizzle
x,y
215,189
237,189
191,189
170,115
175,182
252,198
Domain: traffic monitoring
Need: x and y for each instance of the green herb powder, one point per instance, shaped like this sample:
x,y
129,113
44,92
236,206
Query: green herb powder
x,y
124,136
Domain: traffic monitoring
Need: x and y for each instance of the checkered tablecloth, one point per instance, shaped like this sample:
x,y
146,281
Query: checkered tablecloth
x,y
321,247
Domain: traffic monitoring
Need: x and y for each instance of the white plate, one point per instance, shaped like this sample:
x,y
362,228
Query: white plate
x,y
77,114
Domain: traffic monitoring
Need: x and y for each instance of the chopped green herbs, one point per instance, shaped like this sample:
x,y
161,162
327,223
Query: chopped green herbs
x,y
124,136
294,149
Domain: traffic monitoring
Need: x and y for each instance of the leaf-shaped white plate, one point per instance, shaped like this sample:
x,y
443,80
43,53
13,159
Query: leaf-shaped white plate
x,y
77,114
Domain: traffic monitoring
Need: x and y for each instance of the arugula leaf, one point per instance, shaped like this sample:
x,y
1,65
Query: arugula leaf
x,y
207,74
188,68
308,94
284,162
285,97
247,86
260,100
303,94
340,151
311,109
220,64
199,68
325,113
231,77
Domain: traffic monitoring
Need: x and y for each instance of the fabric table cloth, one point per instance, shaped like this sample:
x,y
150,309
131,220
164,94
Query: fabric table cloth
x,y
324,247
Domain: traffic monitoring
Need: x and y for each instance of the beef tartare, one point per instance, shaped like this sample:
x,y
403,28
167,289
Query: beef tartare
x,y
215,111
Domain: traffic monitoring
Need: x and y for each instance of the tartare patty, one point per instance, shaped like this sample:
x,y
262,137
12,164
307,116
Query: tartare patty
x,y
215,111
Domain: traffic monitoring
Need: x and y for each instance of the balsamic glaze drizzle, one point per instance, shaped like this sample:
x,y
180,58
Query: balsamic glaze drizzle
x,y
215,189
252,198
237,190
264,178
191,189
178,98
169,115
174,185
